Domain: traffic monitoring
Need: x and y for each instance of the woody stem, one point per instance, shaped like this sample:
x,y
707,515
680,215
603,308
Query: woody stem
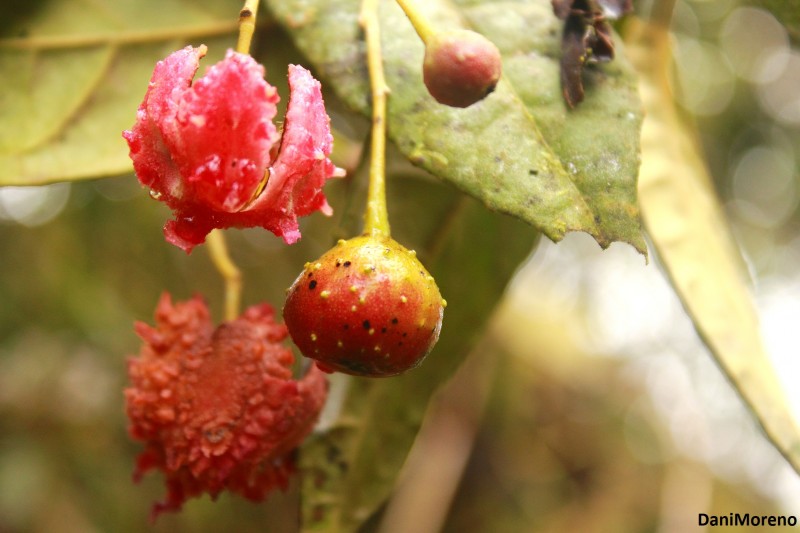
x,y
376,218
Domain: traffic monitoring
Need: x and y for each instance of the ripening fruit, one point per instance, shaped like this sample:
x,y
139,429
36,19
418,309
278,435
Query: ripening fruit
x,y
461,67
367,307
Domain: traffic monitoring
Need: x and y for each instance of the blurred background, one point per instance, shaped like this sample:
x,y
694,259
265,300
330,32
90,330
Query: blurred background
x,y
590,405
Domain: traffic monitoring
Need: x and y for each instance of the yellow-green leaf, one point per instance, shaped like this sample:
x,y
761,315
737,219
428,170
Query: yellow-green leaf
x,y
73,76
692,239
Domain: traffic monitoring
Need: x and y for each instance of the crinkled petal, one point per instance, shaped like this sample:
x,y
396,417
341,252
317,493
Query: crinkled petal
x,y
224,131
302,167
298,173
149,151
204,148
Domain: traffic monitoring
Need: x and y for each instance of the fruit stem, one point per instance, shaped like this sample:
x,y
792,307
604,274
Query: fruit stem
x,y
230,273
376,217
418,20
247,25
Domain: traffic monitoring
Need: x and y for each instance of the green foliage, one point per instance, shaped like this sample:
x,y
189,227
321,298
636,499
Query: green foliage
x,y
73,79
558,170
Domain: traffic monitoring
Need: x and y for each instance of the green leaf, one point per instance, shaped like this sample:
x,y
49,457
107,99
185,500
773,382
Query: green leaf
x,y
73,78
690,234
519,151
351,467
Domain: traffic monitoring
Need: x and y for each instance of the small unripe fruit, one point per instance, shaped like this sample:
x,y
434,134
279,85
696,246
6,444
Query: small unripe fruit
x,y
367,307
461,67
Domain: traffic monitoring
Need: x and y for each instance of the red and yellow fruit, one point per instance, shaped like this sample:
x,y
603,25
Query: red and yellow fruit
x,y
367,307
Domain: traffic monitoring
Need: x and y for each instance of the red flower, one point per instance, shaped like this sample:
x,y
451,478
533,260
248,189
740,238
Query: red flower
x,y
218,408
204,147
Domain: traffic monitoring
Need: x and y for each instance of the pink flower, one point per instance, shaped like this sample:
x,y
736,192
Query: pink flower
x,y
204,148
218,408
